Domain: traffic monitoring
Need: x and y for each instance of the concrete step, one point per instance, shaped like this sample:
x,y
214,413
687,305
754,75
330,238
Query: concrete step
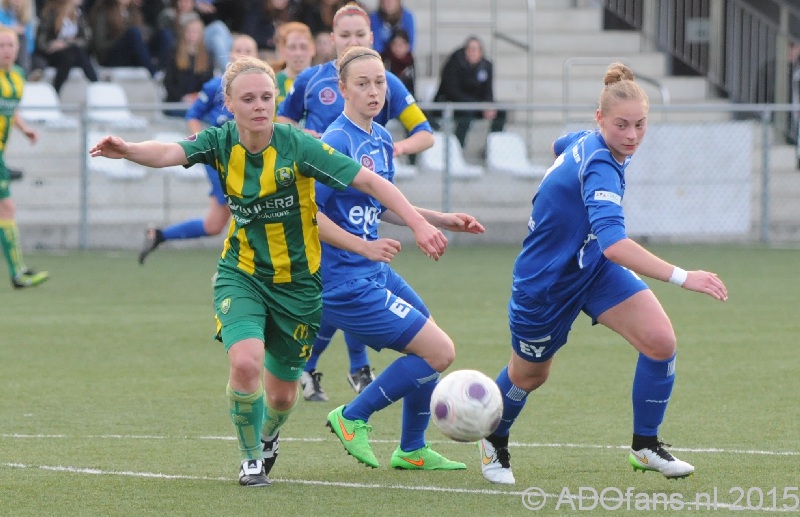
x,y
586,91
514,64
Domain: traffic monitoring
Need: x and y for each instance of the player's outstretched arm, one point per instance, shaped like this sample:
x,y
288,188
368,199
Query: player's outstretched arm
x,y
380,250
631,255
454,222
430,240
150,153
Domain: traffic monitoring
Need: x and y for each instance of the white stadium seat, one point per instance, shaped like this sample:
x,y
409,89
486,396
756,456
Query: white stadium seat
x,y
506,153
40,105
108,104
433,159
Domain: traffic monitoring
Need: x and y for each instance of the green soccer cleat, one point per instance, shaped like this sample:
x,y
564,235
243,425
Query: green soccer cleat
x,y
353,435
423,459
29,278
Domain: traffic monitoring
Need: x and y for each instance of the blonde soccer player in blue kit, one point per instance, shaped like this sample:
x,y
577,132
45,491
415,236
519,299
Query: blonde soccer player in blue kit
x,y
577,258
267,296
316,100
354,286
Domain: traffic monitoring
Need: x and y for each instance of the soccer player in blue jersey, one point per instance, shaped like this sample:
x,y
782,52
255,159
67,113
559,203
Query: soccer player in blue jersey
x,y
12,82
315,97
267,296
209,109
577,257
353,286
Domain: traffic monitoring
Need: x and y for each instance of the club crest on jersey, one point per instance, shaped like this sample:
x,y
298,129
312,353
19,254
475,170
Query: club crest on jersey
x,y
225,306
368,162
327,96
284,176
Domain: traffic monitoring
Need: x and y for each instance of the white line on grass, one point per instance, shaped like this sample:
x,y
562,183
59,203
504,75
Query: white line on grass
x,y
370,486
713,450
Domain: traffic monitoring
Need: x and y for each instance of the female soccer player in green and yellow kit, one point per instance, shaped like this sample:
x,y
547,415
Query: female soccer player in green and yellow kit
x,y
12,81
267,296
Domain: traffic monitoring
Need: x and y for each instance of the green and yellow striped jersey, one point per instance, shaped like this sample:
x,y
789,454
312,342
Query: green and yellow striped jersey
x,y
273,234
11,85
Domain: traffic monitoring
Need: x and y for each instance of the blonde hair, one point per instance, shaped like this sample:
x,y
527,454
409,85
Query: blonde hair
x,y
183,58
352,53
350,9
620,85
5,29
24,14
245,65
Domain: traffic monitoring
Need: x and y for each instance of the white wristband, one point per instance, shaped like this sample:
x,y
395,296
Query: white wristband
x,y
679,276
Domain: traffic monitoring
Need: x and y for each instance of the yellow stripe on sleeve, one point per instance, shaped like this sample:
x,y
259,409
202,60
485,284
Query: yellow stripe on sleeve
x,y
411,117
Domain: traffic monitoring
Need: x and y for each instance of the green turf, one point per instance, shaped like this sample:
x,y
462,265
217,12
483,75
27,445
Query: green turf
x,y
114,395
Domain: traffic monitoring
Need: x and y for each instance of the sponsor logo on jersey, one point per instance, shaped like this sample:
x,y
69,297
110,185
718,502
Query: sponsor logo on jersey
x,y
368,162
327,96
604,195
284,176
225,306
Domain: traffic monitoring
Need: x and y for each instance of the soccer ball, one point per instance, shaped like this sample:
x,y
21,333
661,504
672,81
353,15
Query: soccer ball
x,y
466,405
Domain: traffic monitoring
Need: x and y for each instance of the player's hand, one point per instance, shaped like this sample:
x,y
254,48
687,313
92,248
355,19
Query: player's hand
x,y
381,250
458,222
430,240
110,147
706,283
399,149
32,135
311,132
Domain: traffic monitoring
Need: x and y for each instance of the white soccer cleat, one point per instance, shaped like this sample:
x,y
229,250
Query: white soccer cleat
x,y
311,384
496,463
658,459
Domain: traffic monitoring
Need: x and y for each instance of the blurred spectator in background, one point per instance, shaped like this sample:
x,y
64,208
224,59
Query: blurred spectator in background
x,y
263,19
467,76
119,35
386,19
62,40
222,18
189,68
167,29
19,15
323,44
318,14
295,47
398,59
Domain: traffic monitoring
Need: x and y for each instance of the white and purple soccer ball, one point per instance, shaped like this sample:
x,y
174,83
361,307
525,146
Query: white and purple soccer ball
x,y
466,405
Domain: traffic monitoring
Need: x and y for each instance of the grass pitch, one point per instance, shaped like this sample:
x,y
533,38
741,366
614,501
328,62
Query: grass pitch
x,y
114,398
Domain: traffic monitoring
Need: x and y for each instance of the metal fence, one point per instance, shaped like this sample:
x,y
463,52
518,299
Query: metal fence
x,y
705,173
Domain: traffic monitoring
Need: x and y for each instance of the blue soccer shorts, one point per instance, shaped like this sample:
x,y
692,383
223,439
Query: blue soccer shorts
x,y
216,186
382,311
538,331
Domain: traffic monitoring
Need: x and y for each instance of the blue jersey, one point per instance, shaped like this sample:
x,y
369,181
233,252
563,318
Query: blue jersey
x,y
210,104
577,213
351,209
315,96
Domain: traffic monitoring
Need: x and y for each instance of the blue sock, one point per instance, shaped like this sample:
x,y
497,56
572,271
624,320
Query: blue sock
x,y
416,416
357,351
324,336
405,374
189,229
652,387
514,399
